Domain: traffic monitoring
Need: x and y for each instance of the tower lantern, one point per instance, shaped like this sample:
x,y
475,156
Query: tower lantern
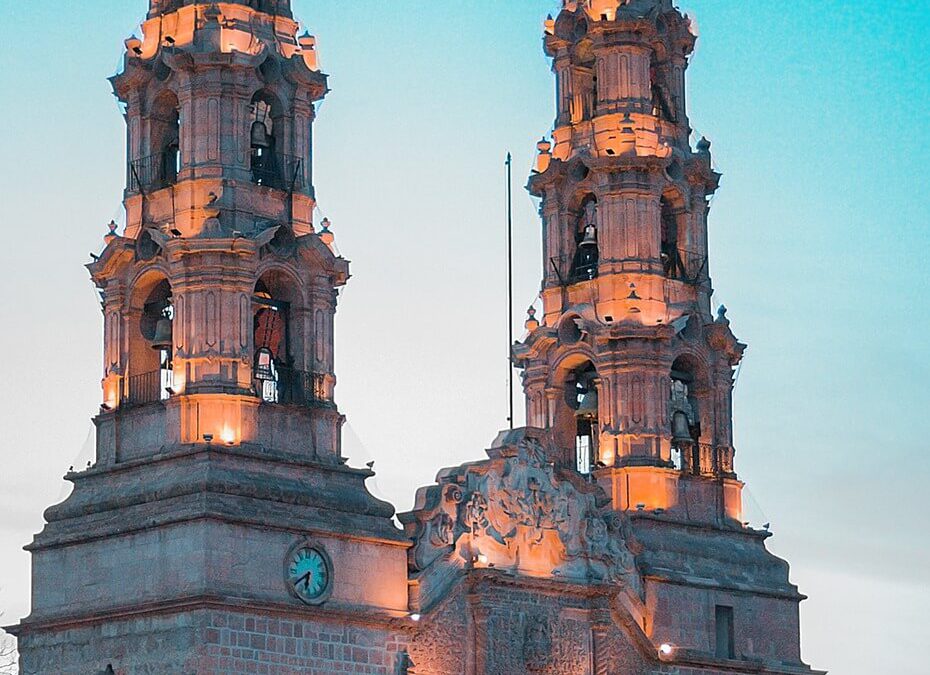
x,y
626,288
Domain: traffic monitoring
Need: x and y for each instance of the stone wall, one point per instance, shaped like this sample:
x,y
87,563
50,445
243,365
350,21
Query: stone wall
x,y
214,641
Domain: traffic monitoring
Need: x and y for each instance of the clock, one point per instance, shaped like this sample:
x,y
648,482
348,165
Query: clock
x,y
308,572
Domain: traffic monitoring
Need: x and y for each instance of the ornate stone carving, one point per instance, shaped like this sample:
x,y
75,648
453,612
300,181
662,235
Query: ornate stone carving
x,y
537,644
515,511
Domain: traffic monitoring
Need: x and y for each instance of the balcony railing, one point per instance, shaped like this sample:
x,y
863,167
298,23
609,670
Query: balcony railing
x,y
296,387
146,388
153,172
278,171
685,266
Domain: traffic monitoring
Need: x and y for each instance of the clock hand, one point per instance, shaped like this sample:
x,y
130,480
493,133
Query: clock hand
x,y
305,579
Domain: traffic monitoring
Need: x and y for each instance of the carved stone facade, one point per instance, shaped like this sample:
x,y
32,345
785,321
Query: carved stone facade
x,y
220,529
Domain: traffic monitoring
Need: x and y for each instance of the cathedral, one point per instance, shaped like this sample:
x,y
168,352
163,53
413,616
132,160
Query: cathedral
x,y
220,529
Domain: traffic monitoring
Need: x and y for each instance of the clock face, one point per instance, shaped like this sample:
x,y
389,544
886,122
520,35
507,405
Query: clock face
x,y
308,573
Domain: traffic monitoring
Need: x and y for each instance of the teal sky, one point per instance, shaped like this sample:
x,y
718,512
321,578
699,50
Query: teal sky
x,y
818,114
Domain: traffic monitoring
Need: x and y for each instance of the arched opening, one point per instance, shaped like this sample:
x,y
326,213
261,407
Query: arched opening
x,y
661,101
684,415
585,260
161,167
576,428
270,166
271,337
262,141
150,375
673,265
279,369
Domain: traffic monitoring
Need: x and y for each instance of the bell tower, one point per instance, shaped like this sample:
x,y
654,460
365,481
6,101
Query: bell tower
x,y
628,367
219,492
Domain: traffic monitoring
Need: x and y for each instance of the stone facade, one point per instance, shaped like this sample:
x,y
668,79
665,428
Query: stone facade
x,y
220,529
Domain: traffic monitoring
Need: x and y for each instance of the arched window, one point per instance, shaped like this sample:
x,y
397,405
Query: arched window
x,y
151,347
264,160
270,333
584,263
684,413
163,162
671,257
585,406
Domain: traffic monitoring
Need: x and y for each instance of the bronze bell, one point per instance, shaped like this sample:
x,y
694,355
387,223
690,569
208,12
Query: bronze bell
x,y
162,339
681,430
588,405
259,135
590,237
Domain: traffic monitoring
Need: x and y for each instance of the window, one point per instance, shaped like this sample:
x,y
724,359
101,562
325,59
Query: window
x,y
584,264
724,625
586,425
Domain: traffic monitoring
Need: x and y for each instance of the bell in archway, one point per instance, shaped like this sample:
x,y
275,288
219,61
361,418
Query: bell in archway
x,y
259,136
162,339
681,430
590,237
587,407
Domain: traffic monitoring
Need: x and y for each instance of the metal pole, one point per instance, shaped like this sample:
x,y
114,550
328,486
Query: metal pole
x,y
509,288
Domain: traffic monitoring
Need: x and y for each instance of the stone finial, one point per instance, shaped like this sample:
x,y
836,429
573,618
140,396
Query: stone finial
x,y
326,236
722,315
549,25
544,158
532,323
111,231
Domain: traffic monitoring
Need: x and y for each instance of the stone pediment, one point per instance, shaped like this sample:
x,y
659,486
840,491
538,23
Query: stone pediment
x,y
516,512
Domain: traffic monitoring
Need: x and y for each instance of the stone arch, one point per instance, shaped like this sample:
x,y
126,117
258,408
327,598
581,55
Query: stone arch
x,y
575,427
690,403
280,336
150,337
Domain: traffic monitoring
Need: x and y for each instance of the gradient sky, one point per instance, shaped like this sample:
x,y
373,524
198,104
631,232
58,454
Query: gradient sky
x,y
818,113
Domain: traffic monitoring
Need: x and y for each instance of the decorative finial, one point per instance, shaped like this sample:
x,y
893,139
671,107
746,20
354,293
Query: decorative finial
x,y
633,295
544,158
111,231
722,315
532,323
703,145
326,236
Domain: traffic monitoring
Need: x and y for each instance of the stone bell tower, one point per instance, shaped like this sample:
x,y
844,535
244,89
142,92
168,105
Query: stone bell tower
x,y
219,495
628,367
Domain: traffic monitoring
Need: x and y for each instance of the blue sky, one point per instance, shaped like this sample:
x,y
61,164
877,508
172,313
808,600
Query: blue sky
x,y
820,233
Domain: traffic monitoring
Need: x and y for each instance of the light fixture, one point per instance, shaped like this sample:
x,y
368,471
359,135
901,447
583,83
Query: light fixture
x,y
482,559
414,617
665,649
208,438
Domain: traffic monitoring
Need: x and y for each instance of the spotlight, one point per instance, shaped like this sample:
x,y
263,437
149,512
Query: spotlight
x,y
665,649
414,617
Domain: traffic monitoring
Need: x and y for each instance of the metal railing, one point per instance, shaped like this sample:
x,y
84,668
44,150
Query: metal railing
x,y
153,172
278,171
299,387
685,265
143,388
